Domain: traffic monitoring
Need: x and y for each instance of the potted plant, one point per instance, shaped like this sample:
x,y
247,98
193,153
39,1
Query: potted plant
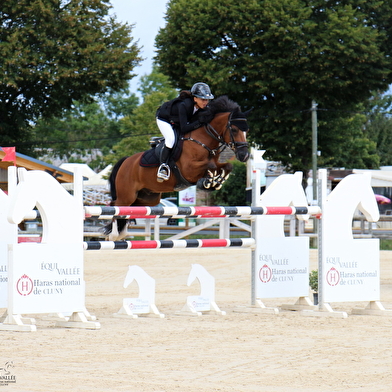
x,y
313,283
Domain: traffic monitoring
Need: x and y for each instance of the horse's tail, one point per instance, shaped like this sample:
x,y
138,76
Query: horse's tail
x,y
112,178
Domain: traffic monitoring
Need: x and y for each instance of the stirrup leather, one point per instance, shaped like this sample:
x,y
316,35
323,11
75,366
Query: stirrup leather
x,y
163,172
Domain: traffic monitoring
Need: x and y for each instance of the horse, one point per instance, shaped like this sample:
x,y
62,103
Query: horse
x,y
133,181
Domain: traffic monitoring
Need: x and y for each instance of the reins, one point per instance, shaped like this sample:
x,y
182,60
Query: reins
x,y
211,131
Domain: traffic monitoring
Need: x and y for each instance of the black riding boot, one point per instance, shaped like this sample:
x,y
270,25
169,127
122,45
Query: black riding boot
x,y
164,170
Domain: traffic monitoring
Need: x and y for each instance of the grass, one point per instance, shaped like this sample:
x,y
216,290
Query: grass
x,y
385,244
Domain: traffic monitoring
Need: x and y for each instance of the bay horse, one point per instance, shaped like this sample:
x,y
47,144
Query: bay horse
x,y
133,181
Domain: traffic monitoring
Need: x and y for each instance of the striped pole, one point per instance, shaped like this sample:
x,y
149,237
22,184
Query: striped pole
x,y
169,244
103,212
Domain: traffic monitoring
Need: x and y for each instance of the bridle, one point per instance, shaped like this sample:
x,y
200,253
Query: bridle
x,y
222,144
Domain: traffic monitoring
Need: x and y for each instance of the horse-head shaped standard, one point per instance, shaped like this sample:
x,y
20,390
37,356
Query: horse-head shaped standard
x,y
39,189
353,192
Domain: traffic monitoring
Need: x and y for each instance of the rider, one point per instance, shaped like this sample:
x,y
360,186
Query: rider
x,y
177,115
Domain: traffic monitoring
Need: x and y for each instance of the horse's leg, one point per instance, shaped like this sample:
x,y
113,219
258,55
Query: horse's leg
x,y
217,174
120,226
131,191
223,173
126,193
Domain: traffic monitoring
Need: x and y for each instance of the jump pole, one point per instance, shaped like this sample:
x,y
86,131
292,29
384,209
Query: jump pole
x,y
103,212
170,244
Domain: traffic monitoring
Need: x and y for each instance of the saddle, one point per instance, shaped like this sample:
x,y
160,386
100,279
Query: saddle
x,y
151,158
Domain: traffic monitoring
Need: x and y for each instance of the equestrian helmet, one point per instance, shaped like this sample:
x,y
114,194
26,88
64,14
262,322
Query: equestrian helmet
x,y
201,90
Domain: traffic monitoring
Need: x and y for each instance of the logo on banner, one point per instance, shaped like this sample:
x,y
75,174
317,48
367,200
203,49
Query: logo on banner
x,y
333,277
24,285
265,273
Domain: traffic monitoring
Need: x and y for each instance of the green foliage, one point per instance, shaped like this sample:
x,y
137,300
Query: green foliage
x,y
85,132
232,192
55,53
278,55
156,82
378,126
313,280
352,147
140,125
385,244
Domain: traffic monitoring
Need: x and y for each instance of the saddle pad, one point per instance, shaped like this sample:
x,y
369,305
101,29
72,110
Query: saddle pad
x,y
150,159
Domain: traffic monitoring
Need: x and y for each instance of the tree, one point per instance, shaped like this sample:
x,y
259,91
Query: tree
x,y
233,192
279,55
140,125
86,131
55,53
378,126
156,81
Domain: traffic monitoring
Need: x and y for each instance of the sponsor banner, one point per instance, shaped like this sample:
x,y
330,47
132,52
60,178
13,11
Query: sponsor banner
x,y
351,270
282,267
46,278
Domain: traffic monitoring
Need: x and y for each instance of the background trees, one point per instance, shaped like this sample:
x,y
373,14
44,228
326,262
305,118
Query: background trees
x,y
112,126
278,55
138,127
65,67
54,53
85,132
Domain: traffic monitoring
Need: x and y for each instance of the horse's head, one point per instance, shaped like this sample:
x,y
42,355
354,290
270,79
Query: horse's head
x,y
236,126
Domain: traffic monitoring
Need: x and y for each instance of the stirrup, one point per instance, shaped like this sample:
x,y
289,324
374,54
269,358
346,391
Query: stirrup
x,y
163,173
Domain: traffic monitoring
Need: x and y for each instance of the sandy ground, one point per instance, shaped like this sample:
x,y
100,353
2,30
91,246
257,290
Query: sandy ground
x,y
235,352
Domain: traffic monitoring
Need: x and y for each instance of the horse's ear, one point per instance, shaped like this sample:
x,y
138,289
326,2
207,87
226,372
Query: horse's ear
x,y
248,112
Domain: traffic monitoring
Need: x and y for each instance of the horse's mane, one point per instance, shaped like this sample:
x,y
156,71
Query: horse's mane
x,y
223,104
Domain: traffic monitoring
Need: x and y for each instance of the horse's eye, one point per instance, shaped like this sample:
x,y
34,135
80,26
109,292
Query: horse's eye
x,y
235,130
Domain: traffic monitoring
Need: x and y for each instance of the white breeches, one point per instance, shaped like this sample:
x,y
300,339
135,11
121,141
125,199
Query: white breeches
x,y
167,131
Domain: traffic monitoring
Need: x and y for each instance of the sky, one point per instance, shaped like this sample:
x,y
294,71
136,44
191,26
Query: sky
x,y
148,17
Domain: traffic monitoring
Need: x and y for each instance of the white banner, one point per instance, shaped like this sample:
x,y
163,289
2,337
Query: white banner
x,y
187,197
351,270
282,267
46,278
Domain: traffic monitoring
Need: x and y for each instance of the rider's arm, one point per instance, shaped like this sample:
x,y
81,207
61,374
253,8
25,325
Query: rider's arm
x,y
183,120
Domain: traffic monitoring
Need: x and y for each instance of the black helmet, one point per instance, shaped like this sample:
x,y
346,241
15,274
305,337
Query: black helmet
x,y
201,90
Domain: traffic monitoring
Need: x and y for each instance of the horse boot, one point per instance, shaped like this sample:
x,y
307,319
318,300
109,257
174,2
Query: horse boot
x,y
164,169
